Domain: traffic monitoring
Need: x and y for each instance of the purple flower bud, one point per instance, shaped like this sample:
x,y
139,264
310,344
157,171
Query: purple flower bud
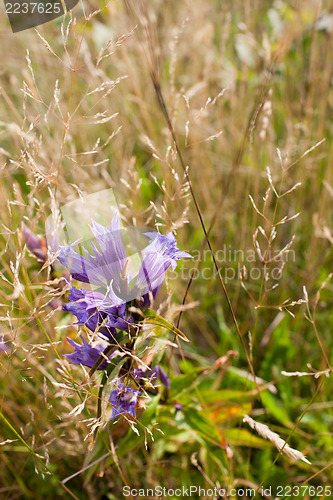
x,y
55,303
156,373
36,244
3,345
164,378
178,407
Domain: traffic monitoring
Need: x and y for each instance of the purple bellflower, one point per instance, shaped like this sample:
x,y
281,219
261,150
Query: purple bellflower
x,y
105,265
152,374
106,268
105,308
93,308
35,244
86,355
123,399
166,246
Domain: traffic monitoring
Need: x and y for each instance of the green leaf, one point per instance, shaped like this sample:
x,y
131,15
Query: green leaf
x,y
198,422
185,382
242,437
225,395
275,409
220,457
154,319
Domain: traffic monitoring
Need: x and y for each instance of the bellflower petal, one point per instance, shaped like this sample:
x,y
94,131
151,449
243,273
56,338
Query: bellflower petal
x,y
148,298
80,268
152,271
163,377
86,355
111,258
103,265
165,245
93,308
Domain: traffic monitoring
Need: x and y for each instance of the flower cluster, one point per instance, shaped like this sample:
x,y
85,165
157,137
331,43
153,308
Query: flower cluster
x,y
105,310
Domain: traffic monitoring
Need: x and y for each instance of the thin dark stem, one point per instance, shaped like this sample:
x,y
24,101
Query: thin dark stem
x,y
161,101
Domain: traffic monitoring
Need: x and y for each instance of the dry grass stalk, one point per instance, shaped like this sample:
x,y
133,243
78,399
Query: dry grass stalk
x,y
281,445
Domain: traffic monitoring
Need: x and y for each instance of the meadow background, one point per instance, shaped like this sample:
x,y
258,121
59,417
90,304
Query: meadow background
x,y
247,85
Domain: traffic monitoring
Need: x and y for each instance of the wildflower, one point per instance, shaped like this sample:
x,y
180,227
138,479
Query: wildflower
x,y
123,399
34,243
158,372
152,374
3,345
166,246
93,309
107,266
104,309
86,355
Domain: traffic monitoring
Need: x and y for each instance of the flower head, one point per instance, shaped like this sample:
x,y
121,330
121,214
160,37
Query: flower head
x,y
34,243
123,399
86,355
152,374
94,309
106,266
165,245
